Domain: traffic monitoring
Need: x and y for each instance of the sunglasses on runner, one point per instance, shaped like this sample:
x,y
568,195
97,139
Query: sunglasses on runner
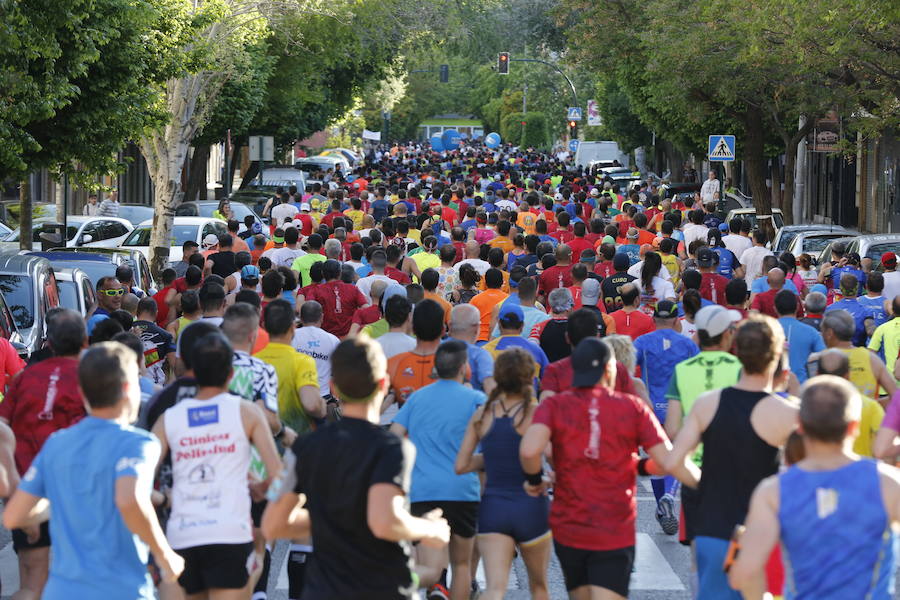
x,y
118,292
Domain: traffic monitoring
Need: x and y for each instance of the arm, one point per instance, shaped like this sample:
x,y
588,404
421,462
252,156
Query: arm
x,y
9,475
312,402
674,418
689,436
885,379
25,510
886,445
686,472
389,520
466,459
159,430
285,518
258,430
140,518
536,438
398,429
748,572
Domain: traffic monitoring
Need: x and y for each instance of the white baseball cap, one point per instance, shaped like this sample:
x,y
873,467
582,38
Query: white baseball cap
x,y
210,240
305,206
715,320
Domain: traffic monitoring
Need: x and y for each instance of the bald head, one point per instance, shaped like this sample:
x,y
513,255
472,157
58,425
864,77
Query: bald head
x,y
776,278
473,249
834,362
463,318
377,290
563,254
828,405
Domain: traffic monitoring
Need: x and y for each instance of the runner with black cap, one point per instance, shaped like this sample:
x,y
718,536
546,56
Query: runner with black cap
x,y
595,457
611,286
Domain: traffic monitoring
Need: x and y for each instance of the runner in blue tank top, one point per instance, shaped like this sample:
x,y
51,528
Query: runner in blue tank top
x,y
658,353
833,511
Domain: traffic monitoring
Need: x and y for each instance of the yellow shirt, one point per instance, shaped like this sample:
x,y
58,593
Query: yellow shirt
x,y
295,370
869,423
356,216
861,374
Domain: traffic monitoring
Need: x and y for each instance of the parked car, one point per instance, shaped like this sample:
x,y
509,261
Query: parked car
x,y
786,234
5,230
92,232
9,330
750,213
29,288
184,229
813,242
826,254
135,213
205,208
349,155
873,246
102,262
76,290
314,164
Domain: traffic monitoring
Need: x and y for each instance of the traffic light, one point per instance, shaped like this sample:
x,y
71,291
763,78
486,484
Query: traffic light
x,y
573,129
445,73
503,63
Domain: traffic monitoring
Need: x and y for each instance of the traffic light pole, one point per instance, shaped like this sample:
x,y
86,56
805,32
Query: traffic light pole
x,y
560,71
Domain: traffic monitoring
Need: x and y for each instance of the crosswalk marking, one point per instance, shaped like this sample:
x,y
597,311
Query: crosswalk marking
x,y
651,569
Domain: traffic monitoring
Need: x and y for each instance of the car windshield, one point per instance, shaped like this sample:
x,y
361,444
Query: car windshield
x,y
785,240
818,243
239,210
135,214
68,294
19,294
94,269
180,234
751,216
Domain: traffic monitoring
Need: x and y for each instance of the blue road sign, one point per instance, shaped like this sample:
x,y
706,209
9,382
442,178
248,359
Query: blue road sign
x,y
721,148
573,145
574,113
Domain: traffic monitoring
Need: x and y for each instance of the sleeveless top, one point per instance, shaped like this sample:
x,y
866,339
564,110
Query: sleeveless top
x,y
735,460
726,262
836,535
861,374
671,264
210,460
500,448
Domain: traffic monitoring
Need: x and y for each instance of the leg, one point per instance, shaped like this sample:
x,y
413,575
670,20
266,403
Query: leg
x,y
34,566
460,563
429,564
497,550
231,594
296,569
170,591
536,556
599,593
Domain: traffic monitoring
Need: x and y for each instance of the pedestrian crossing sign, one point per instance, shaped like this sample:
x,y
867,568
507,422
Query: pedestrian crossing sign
x,y
721,148
574,113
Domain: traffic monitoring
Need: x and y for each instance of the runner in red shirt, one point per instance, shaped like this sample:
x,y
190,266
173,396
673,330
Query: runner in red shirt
x,y
579,243
560,274
595,433
630,320
712,285
339,300
41,400
562,233
165,298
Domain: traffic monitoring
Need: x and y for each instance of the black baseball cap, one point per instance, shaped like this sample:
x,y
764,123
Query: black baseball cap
x,y
621,261
589,360
706,257
665,309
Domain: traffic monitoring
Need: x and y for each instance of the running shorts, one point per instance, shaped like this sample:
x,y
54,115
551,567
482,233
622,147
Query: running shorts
x,y
20,540
690,506
256,512
521,517
610,569
226,566
461,516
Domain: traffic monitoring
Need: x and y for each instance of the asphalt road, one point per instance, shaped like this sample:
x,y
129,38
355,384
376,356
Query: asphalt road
x,y
662,570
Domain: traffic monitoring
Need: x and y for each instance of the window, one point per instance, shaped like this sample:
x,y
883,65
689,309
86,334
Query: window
x,y
90,295
180,234
875,252
68,295
6,325
18,293
92,229
51,292
113,229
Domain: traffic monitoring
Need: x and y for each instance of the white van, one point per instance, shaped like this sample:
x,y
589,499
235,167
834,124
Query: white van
x,y
589,152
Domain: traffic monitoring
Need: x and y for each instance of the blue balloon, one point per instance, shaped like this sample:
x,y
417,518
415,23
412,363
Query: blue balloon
x,y
437,143
451,139
492,140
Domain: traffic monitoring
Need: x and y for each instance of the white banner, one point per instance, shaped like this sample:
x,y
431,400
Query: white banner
x,y
593,116
371,135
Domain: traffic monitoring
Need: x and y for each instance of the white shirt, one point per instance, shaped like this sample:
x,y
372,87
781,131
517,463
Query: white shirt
x,y
480,265
737,243
662,289
365,284
285,257
687,329
318,344
505,205
752,259
395,342
635,271
282,211
709,187
891,285
694,232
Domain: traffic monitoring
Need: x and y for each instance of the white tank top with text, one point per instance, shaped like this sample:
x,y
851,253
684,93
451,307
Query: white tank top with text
x,y
210,459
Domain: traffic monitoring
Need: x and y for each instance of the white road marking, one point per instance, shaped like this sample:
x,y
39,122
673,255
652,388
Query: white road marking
x,y
645,483
651,569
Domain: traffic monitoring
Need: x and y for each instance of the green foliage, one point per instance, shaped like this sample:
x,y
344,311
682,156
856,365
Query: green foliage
x,y
619,121
531,135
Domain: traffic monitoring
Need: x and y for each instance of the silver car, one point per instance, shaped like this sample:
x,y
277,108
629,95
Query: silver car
x,y
871,247
813,242
29,287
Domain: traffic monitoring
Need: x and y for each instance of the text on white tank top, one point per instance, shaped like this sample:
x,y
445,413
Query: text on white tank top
x,y
210,460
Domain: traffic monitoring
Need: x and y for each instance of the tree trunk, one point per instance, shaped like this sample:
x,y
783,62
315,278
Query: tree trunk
x,y
196,184
25,214
251,174
755,160
790,167
776,183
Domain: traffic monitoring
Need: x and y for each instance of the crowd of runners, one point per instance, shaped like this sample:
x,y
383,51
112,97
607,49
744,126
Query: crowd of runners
x,y
445,359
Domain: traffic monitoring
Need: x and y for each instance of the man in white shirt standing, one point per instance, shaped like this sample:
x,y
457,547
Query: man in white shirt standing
x,y
752,258
891,276
709,188
281,211
736,240
318,344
